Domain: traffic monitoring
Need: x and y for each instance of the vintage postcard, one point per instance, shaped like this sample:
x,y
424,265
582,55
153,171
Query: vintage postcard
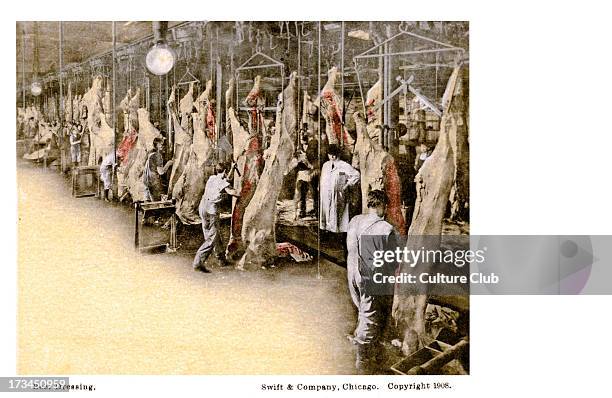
x,y
239,197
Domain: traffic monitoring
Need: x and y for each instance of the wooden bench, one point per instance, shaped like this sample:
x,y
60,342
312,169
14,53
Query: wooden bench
x,y
83,171
141,209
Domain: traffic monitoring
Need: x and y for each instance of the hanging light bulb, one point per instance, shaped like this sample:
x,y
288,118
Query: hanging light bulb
x,y
36,88
161,57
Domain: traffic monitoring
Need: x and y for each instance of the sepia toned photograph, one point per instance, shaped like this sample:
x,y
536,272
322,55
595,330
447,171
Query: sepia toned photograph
x,y
208,197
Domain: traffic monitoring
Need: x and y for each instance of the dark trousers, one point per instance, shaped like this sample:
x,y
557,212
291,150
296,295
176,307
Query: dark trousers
x,y
212,239
302,191
314,188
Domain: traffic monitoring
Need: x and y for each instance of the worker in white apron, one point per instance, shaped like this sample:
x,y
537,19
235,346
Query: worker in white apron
x,y
336,177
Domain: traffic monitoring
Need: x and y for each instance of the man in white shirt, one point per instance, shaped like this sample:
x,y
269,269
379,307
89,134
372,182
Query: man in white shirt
x,y
106,172
216,186
368,233
336,178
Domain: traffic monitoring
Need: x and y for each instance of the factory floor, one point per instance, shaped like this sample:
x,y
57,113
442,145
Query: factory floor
x,y
89,304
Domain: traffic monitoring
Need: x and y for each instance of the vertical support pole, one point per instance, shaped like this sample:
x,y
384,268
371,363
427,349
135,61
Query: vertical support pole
x,y
23,73
237,87
299,81
342,69
219,85
393,115
61,91
383,80
365,113
147,84
168,121
173,243
319,88
387,91
136,226
210,56
319,151
114,61
160,116
437,67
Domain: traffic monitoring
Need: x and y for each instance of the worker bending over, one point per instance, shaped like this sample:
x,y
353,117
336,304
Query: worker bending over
x,y
215,187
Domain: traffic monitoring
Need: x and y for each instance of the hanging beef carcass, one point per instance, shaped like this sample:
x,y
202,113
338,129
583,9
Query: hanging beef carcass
x,y
106,102
248,156
20,122
133,114
45,108
28,114
230,102
378,171
182,143
309,111
76,108
103,139
258,230
68,104
433,181
126,155
238,136
124,105
138,156
189,188
130,135
40,144
459,197
186,107
51,109
205,108
35,117
32,126
373,118
198,103
92,101
30,123
54,108
373,100
255,101
331,108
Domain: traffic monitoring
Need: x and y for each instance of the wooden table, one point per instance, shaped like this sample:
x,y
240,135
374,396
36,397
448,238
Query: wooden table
x,y
83,171
143,208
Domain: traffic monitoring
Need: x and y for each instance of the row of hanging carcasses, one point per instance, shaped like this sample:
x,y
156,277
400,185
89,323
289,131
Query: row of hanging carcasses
x,y
194,124
195,142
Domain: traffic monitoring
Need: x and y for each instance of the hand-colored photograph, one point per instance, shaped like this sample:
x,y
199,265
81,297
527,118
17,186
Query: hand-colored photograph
x,y
193,195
